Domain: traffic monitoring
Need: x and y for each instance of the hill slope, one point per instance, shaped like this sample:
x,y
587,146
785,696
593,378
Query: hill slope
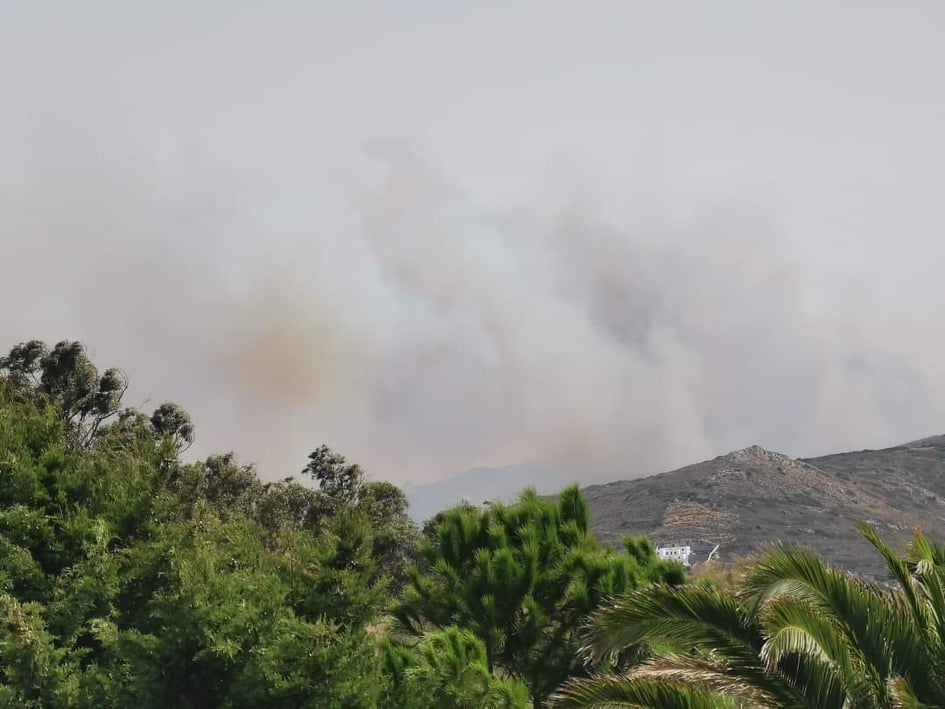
x,y
749,498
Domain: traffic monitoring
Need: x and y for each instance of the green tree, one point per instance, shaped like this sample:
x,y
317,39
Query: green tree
x,y
227,624
521,578
338,480
35,672
66,376
88,402
797,634
128,578
344,485
447,669
395,537
171,421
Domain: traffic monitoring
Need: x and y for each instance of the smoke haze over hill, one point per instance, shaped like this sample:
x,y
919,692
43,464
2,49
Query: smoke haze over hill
x,y
608,252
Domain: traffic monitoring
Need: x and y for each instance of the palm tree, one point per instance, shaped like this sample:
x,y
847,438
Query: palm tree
x,y
798,633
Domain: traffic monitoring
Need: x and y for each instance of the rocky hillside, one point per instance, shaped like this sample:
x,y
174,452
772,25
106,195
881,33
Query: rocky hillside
x,y
753,497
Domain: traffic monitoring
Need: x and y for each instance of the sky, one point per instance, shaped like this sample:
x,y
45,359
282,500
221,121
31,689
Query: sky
x,y
618,236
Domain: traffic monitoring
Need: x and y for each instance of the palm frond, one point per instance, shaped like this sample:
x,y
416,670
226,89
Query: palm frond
x,y
900,571
876,622
794,627
819,686
800,633
902,695
929,576
615,692
696,615
719,677
696,618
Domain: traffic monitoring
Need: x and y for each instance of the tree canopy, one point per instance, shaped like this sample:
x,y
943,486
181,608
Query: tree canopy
x,y
131,578
521,577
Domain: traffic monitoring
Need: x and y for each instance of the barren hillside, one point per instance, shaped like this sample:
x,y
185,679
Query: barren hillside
x,y
749,498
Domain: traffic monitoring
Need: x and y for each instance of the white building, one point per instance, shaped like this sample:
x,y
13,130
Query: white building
x,y
680,554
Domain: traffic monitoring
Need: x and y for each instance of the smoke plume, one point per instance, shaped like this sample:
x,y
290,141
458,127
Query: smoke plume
x,y
422,333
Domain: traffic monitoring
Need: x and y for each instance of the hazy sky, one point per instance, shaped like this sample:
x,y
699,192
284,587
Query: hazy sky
x,y
436,235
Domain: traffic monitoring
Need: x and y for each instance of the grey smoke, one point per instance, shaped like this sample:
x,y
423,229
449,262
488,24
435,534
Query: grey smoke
x,y
627,309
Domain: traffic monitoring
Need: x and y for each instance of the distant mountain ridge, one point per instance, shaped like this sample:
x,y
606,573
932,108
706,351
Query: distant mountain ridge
x,y
744,500
933,441
481,484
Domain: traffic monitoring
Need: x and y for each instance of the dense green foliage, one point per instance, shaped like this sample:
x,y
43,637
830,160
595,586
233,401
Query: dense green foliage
x,y
448,669
130,578
798,633
521,577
